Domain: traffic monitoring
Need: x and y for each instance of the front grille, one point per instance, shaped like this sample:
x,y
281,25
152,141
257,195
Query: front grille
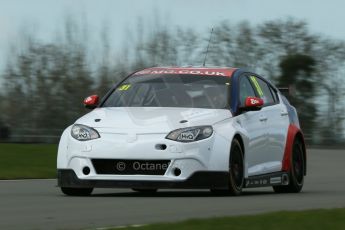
x,y
130,167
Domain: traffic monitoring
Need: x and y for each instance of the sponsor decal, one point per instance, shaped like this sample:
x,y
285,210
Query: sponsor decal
x,y
254,101
257,182
89,99
124,87
257,86
192,71
278,178
275,180
187,136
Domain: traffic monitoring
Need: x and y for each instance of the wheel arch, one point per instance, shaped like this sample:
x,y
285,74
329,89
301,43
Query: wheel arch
x,y
241,138
299,136
238,137
237,180
294,133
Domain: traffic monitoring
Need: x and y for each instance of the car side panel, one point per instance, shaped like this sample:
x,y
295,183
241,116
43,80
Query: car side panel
x,y
277,124
62,156
256,130
227,130
293,132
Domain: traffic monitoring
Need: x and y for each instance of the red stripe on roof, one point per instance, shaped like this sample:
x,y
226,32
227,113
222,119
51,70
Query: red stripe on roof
x,y
225,72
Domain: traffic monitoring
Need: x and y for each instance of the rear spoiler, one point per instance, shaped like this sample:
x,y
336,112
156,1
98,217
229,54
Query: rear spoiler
x,y
286,91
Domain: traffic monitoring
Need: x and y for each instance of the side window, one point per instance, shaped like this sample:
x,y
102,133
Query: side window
x,y
263,90
246,89
275,95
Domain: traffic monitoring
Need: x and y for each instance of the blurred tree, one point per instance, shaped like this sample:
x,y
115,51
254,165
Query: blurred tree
x,y
281,44
104,73
44,86
331,55
280,38
298,70
44,83
188,46
4,129
222,45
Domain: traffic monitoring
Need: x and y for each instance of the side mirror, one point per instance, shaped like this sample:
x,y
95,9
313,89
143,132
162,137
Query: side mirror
x,y
91,102
252,104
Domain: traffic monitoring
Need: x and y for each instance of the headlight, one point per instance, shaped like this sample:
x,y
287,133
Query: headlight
x,y
84,133
190,134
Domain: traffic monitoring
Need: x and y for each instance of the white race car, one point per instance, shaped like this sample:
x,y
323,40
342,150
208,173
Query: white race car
x,y
222,129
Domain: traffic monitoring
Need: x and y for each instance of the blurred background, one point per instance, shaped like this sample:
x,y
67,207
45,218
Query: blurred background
x,y
55,53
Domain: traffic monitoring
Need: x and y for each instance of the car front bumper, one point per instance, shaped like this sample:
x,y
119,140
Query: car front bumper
x,y
198,180
202,164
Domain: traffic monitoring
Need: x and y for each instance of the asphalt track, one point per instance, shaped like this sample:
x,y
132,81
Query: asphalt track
x,y
38,204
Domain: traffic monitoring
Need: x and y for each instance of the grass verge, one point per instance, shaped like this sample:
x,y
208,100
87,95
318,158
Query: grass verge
x,y
27,161
300,220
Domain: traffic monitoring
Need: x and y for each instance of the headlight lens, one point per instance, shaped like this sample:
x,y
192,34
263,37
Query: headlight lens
x,y
190,134
84,133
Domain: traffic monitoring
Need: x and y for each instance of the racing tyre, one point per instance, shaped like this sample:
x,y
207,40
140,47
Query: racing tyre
x,y
77,191
296,174
236,169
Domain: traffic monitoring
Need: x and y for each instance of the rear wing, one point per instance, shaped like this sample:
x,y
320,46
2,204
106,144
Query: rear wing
x,y
287,91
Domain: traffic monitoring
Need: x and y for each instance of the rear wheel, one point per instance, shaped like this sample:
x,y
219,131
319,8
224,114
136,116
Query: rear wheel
x,y
296,174
236,169
76,191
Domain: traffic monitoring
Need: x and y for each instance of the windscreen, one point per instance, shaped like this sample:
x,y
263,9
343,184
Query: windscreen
x,y
187,91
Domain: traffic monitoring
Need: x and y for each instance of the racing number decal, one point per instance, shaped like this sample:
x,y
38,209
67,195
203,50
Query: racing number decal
x,y
257,86
124,87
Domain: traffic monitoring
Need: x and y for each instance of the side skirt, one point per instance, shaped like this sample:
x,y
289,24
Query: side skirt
x,y
265,180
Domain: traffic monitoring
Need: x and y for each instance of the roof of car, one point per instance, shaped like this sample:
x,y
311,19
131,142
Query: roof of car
x,y
193,70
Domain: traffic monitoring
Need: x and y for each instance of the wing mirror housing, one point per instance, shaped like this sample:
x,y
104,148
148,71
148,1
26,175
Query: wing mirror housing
x,y
252,104
91,102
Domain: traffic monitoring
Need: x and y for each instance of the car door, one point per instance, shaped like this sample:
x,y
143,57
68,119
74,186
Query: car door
x,y
254,125
277,125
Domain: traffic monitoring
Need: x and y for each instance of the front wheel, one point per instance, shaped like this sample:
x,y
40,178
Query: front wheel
x,y
296,173
236,169
76,191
